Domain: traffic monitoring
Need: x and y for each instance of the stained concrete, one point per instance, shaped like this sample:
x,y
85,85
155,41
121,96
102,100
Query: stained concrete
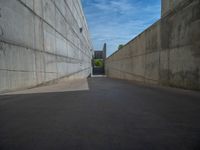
x,y
166,53
169,5
111,115
63,85
40,41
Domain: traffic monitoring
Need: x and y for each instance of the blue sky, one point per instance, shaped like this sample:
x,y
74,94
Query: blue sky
x,y
118,21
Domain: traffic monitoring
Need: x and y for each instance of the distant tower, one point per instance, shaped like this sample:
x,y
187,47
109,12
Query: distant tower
x,y
104,51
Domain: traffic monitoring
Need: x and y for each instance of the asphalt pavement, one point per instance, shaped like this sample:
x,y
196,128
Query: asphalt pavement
x,y
110,115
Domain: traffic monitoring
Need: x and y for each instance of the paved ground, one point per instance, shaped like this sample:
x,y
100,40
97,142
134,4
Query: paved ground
x,y
112,115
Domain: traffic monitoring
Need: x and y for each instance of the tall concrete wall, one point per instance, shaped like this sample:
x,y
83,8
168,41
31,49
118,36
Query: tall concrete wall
x,y
167,53
169,5
40,41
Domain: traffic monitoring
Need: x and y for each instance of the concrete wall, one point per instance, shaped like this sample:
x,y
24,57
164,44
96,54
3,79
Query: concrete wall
x,y
167,53
169,5
40,41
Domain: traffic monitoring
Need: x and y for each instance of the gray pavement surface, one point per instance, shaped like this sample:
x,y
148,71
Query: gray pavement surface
x,y
111,115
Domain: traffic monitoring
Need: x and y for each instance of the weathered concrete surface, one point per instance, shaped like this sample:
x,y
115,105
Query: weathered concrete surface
x,y
169,5
167,53
112,115
63,85
40,40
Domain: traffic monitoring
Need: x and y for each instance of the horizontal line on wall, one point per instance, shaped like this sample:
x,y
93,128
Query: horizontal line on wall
x,y
88,68
13,70
181,5
132,74
143,54
174,11
128,57
74,16
69,24
76,61
41,84
52,27
28,71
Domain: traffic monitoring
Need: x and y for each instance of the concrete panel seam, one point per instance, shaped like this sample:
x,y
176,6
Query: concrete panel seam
x,y
67,22
177,8
128,57
52,27
143,32
41,51
71,11
136,75
25,71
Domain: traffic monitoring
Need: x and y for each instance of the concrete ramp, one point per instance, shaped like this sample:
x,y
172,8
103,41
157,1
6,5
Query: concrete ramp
x,y
61,86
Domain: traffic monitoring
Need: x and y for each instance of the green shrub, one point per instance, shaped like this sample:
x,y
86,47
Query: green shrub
x,y
98,63
120,46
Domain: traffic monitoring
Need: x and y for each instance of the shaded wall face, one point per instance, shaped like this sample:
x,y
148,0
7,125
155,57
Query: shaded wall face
x,y
166,53
40,40
169,5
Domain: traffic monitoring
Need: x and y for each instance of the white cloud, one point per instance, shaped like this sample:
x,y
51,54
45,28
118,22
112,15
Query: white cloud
x,y
118,21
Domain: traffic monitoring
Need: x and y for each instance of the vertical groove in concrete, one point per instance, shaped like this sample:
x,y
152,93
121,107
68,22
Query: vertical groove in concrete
x,y
45,48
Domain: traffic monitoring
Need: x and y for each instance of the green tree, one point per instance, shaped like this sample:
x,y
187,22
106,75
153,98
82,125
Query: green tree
x,y
120,46
98,63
